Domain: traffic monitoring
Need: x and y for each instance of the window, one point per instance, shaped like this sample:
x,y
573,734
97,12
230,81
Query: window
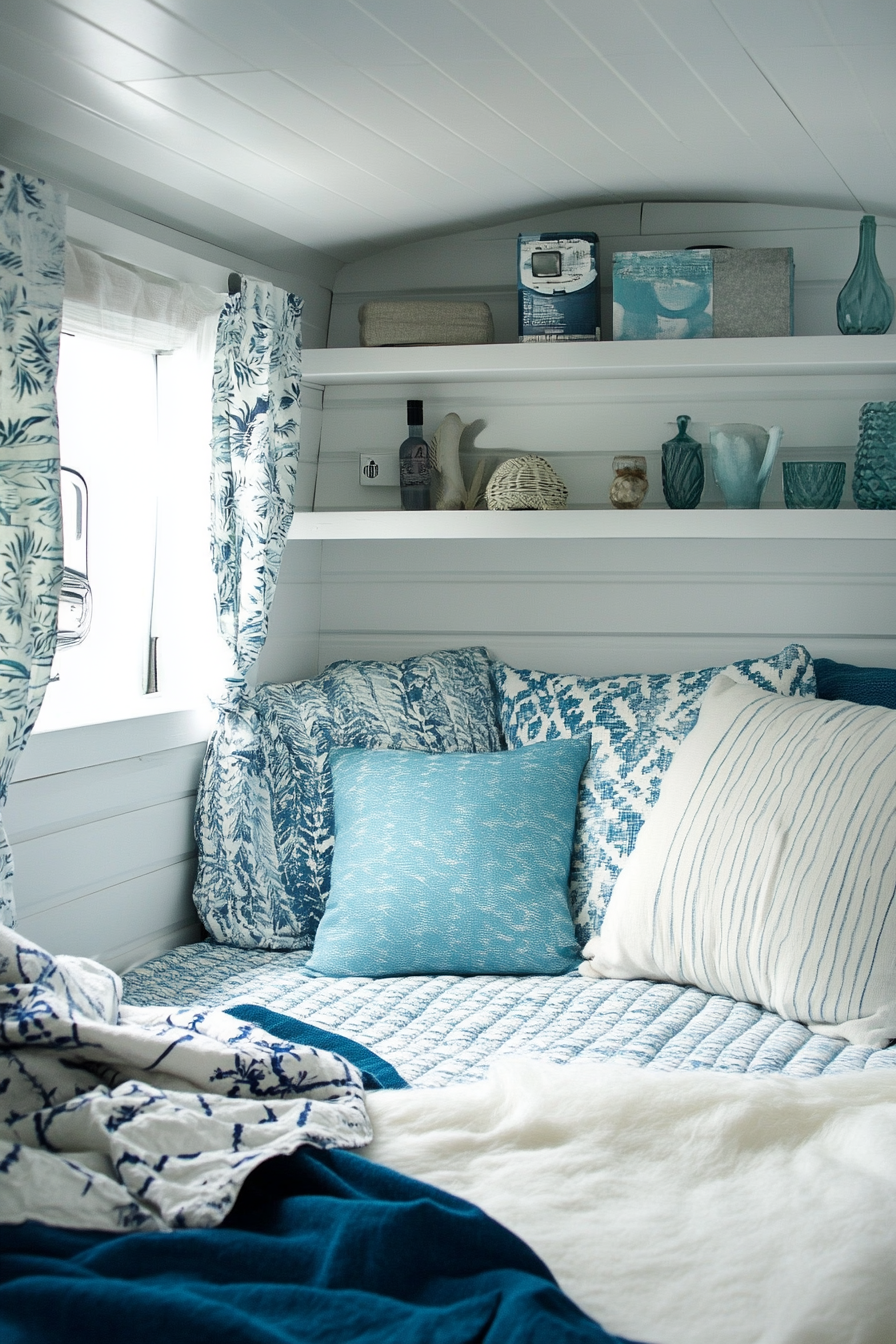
x,y
134,452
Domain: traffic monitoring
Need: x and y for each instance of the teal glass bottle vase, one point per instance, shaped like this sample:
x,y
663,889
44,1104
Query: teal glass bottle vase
x,y
874,476
683,474
865,305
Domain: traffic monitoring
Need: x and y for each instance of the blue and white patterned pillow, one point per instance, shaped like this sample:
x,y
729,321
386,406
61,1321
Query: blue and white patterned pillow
x,y
636,723
264,810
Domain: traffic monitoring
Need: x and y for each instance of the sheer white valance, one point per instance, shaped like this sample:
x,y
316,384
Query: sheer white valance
x,y
105,297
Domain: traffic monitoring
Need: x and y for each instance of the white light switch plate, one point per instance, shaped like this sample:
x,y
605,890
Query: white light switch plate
x,y
378,469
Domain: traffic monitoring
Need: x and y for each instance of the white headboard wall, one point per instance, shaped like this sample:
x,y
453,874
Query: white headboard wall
x,y
579,428
592,605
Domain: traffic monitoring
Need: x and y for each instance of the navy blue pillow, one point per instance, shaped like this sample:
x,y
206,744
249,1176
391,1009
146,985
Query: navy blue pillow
x,y
862,685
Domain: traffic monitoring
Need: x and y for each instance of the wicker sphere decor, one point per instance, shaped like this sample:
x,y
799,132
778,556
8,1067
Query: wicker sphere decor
x,y
526,483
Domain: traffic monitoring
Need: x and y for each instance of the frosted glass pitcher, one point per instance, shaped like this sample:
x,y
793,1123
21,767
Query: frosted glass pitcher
x,y
742,457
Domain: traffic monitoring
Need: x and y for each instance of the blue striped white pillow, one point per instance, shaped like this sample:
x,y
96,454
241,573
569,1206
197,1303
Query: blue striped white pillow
x,y
767,869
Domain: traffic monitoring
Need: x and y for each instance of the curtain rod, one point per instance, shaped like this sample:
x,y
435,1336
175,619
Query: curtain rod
x,y
234,282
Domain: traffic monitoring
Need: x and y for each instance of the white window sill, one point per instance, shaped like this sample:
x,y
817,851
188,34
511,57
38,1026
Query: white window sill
x,y
159,726
81,711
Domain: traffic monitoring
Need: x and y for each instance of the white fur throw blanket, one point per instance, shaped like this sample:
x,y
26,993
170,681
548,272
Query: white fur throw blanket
x,y
696,1208
122,1119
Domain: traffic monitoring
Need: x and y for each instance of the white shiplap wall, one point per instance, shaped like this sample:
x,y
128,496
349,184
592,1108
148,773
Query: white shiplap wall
x,y
590,605
597,606
292,648
100,822
481,263
579,426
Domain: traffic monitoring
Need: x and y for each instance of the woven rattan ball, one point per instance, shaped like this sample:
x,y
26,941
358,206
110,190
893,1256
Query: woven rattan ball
x,y
526,483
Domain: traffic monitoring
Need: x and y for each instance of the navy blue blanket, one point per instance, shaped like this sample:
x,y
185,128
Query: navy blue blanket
x,y
320,1246
375,1071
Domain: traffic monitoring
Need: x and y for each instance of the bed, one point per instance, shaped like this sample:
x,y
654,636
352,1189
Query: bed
x,y
690,1163
445,1029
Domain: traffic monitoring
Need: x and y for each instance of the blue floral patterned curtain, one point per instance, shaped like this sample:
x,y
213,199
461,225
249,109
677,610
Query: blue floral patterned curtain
x,y
32,264
255,447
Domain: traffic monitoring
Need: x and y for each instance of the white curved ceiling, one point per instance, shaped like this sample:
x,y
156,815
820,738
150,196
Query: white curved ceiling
x,y
349,125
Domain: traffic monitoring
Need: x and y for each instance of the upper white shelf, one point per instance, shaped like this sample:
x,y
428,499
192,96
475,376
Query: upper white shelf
x,y
758,356
756,524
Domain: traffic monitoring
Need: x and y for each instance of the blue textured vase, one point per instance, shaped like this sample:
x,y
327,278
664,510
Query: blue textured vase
x,y
865,305
874,478
683,473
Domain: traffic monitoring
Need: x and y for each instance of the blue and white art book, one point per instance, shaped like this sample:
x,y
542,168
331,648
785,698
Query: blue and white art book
x,y
661,296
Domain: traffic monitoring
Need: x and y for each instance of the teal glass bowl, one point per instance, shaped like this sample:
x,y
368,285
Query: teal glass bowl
x,y
813,485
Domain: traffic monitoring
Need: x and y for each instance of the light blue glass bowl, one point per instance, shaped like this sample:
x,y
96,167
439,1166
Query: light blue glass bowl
x,y
813,485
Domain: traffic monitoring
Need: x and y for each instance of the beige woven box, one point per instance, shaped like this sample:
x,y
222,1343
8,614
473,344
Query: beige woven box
x,y
385,322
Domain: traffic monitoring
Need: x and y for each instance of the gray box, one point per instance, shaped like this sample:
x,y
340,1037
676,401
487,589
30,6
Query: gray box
x,y
752,291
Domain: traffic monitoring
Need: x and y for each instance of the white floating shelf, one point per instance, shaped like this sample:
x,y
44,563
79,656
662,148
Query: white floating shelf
x,y
775,356
761,524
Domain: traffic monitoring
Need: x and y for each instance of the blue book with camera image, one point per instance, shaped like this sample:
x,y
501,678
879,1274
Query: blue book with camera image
x,y
557,287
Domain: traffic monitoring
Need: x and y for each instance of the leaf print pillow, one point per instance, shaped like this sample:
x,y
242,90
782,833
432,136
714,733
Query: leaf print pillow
x,y
636,724
264,812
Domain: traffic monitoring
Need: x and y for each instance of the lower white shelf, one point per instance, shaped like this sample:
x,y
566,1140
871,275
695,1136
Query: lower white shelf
x,y
761,524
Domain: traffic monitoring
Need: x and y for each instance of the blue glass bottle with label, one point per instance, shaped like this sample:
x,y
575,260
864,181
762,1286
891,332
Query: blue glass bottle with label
x,y
414,474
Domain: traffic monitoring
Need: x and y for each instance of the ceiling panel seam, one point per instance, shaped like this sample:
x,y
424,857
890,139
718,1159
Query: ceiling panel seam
x,y
165,149
692,68
559,96
779,95
410,193
495,111
421,112
573,28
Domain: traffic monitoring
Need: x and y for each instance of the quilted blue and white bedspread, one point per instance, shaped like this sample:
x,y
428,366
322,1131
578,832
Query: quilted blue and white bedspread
x,y
444,1028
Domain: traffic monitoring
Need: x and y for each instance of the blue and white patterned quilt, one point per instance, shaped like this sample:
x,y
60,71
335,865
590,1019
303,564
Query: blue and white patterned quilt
x,y
442,1029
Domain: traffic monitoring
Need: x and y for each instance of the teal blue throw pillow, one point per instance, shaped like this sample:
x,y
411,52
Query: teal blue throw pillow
x,y
452,864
